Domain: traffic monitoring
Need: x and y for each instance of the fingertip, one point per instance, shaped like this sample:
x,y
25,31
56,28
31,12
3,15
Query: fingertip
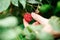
x,y
23,20
25,23
32,14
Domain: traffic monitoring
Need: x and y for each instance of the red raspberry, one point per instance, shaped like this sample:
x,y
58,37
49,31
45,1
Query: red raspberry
x,y
28,17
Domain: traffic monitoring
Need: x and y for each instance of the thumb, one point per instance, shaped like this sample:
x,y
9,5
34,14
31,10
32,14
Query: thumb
x,y
25,23
39,18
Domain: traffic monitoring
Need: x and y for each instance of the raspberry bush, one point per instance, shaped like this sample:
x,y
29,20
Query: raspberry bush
x,y
12,13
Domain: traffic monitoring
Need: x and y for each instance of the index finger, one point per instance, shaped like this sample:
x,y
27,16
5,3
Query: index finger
x,y
39,18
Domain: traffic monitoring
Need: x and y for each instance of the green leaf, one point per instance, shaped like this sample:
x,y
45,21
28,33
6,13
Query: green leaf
x,y
36,28
4,4
26,32
33,1
32,36
29,35
39,0
21,37
55,22
22,26
23,2
45,36
57,9
45,8
9,22
14,2
10,33
58,5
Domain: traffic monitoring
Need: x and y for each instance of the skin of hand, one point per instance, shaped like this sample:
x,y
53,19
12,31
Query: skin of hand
x,y
43,21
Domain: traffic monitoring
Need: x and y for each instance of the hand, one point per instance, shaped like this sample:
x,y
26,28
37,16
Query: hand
x,y
43,21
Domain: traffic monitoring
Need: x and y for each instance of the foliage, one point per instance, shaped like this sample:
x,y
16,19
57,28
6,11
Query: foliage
x,y
4,4
55,22
11,19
